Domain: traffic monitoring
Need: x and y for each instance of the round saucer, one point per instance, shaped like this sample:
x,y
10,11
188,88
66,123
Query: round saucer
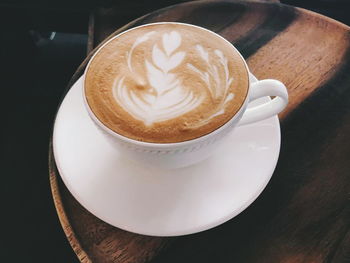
x,y
161,202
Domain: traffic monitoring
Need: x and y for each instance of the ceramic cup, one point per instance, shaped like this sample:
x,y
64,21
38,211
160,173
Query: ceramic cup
x,y
181,154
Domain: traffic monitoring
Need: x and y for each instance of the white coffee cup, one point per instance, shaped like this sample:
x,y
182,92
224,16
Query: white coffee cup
x,y
181,154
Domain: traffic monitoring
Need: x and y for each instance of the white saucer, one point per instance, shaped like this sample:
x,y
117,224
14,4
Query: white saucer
x,y
161,202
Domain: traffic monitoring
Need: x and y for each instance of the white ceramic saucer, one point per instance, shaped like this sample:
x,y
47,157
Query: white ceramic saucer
x,y
161,202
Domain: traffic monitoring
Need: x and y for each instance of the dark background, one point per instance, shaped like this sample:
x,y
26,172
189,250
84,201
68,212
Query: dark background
x,y
42,44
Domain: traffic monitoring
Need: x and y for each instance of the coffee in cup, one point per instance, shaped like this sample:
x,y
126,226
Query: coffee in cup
x,y
166,83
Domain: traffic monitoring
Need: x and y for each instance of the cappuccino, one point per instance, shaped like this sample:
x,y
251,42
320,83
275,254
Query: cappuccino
x,y
166,83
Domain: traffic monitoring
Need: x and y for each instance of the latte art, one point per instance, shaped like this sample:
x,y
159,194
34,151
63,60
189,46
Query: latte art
x,y
166,83
166,98
218,88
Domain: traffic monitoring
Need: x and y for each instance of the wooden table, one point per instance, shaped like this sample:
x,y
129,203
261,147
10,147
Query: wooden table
x,y
303,215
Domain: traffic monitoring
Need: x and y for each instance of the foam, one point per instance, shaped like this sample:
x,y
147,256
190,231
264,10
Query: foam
x,y
166,83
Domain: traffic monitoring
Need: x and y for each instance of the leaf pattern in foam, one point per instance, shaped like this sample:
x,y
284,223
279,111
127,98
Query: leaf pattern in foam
x,y
155,77
161,81
164,62
204,54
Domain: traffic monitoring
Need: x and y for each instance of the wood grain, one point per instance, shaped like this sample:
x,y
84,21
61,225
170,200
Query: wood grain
x,y
108,19
304,213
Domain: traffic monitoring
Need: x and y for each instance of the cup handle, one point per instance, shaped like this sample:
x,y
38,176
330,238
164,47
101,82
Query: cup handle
x,y
262,88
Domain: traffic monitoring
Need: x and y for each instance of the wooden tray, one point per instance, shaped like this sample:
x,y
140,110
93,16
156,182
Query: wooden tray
x,y
304,213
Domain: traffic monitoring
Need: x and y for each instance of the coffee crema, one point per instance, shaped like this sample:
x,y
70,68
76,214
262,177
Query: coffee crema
x,y
166,83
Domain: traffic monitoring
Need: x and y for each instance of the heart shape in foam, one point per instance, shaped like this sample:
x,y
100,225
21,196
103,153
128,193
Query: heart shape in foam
x,y
171,42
